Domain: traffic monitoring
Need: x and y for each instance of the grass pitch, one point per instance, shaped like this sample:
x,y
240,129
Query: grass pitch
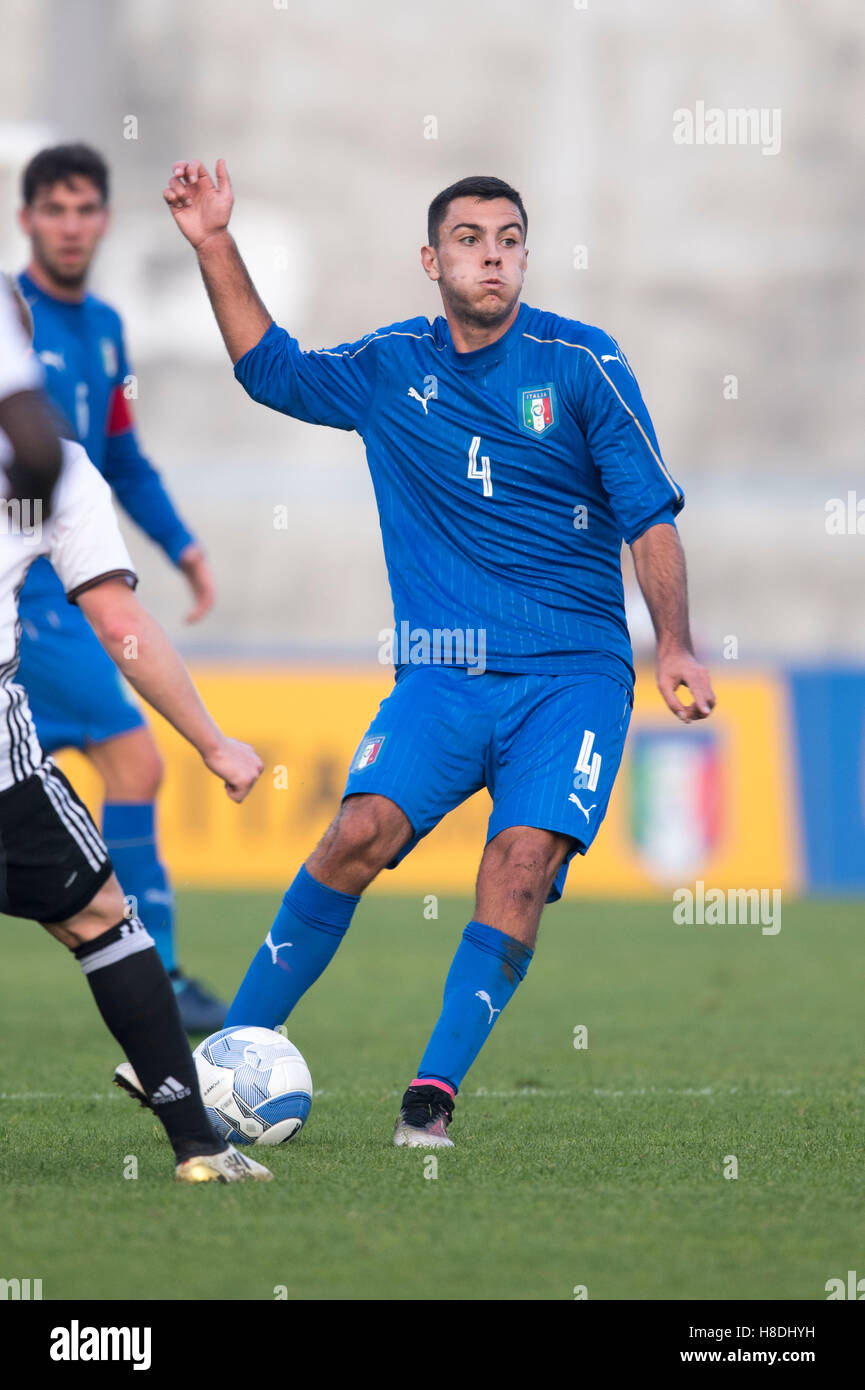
x,y
601,1167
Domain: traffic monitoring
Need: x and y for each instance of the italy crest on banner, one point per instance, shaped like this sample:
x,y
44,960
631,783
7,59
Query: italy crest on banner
x,y
677,802
538,413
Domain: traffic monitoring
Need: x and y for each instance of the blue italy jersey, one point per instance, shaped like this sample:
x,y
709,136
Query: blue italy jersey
x,y
82,351
506,479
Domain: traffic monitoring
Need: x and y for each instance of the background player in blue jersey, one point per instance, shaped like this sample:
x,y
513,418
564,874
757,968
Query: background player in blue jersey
x,y
76,695
511,453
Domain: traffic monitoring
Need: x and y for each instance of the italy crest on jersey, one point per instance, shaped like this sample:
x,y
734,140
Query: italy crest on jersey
x,y
109,356
537,410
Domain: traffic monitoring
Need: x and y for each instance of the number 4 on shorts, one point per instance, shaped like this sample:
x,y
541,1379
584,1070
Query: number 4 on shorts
x,y
587,762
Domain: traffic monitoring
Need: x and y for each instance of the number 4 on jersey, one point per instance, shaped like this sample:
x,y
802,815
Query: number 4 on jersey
x,y
480,467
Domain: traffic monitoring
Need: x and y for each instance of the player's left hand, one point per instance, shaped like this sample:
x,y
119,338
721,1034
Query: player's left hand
x,y
194,566
681,667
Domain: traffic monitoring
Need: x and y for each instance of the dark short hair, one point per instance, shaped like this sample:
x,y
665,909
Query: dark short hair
x,y
480,186
62,164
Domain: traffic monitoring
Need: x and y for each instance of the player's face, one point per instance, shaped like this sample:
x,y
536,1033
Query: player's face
x,y
65,223
480,260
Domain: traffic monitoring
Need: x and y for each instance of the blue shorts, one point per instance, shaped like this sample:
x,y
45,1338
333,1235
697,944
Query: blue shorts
x,y
76,694
547,748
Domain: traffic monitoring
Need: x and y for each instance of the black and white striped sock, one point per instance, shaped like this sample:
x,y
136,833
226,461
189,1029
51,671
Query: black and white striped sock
x,y
136,1000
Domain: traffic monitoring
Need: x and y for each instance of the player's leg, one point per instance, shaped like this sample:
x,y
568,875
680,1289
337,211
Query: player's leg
x,y
518,869
551,770
131,769
56,871
422,755
365,836
517,873
136,1001
367,832
79,700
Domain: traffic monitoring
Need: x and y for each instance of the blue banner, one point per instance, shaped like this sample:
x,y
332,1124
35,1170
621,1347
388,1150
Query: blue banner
x,y
829,742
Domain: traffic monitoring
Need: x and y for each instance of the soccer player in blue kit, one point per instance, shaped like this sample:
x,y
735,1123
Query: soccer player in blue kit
x,y
511,453
76,695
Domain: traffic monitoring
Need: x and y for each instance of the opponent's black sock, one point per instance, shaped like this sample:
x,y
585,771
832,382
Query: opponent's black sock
x,y
135,998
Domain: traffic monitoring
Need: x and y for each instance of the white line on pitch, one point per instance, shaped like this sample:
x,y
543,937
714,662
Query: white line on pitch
x,y
599,1093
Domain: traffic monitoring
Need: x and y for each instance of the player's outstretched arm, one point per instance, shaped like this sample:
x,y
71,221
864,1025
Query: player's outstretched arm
x,y
660,565
137,644
202,209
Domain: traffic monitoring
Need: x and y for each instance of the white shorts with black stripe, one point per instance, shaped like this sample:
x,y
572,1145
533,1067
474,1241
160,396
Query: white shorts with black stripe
x,y
53,860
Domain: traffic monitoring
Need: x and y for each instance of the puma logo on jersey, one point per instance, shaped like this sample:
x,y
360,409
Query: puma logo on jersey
x,y
53,359
611,357
274,950
416,396
482,994
593,807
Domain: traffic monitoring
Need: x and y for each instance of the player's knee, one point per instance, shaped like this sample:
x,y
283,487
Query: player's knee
x,y
106,908
152,772
72,934
364,832
146,768
135,772
523,862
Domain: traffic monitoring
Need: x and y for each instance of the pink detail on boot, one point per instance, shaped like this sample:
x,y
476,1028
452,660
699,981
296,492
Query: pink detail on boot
x,y
428,1081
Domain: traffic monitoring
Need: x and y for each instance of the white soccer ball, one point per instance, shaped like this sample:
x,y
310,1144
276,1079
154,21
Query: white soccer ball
x,y
255,1085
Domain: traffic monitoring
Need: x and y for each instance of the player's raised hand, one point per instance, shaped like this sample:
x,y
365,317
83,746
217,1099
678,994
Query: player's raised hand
x,y
200,207
681,667
237,764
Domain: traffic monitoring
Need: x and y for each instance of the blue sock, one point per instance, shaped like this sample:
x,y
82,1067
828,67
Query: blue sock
x,y
128,829
485,971
306,931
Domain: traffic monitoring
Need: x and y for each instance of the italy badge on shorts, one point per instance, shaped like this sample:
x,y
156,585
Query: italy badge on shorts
x,y
368,752
538,413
